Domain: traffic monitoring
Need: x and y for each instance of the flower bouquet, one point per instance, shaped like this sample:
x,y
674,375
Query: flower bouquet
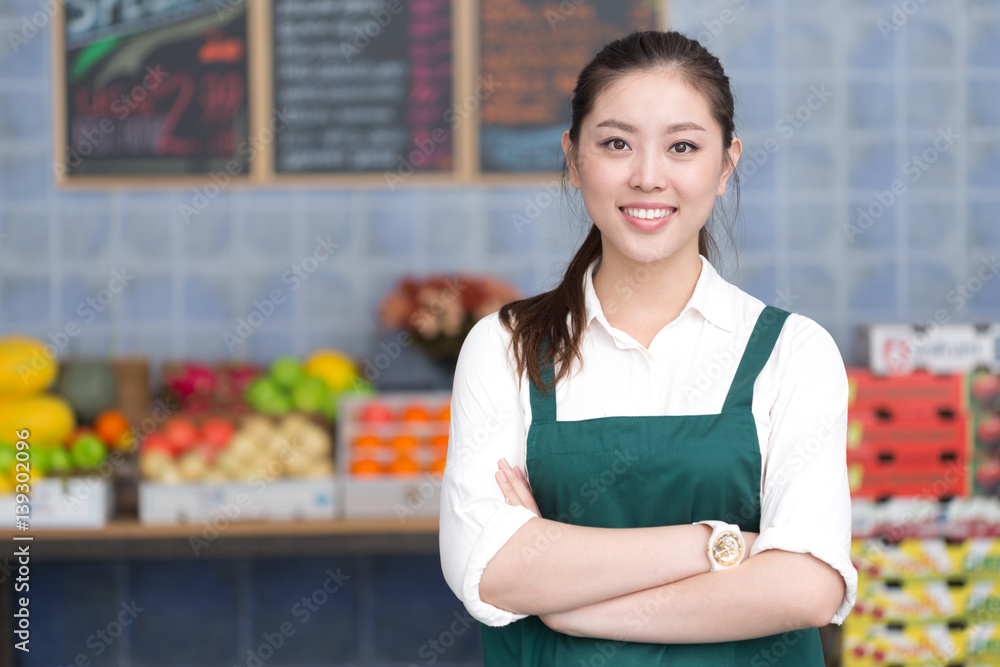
x,y
440,311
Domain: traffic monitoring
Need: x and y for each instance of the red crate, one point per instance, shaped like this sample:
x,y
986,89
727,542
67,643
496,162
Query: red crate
x,y
918,391
869,430
906,480
919,453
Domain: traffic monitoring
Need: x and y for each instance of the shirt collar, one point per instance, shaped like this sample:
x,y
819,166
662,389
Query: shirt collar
x,y
712,298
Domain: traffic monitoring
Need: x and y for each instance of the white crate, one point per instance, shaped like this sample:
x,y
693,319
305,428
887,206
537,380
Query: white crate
x,y
283,499
391,496
898,349
413,498
73,502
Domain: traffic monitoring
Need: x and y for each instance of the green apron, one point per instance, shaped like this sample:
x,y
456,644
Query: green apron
x,y
630,472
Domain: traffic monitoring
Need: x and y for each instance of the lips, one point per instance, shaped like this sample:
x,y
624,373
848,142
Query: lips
x,y
647,218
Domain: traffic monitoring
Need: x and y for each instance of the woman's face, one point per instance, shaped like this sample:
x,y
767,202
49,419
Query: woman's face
x,y
650,164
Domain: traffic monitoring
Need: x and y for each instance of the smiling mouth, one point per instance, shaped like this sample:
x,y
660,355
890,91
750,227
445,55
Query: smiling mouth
x,y
647,213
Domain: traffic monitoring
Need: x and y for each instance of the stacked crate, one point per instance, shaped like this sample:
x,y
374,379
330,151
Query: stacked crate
x,y
926,547
907,435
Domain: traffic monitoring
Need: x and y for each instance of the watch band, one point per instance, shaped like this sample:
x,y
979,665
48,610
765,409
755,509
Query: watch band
x,y
726,548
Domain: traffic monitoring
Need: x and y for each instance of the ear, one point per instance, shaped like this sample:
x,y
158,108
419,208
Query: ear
x,y
735,150
567,146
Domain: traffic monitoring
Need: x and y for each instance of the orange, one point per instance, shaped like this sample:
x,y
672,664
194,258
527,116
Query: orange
x,y
113,428
440,441
438,466
404,442
404,466
367,441
415,413
445,414
363,467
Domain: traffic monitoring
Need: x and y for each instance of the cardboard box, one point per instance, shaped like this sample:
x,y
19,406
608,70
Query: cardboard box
x,y
73,502
389,450
899,349
281,499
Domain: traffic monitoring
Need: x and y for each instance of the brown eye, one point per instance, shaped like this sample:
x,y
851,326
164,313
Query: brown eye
x,y
683,148
618,144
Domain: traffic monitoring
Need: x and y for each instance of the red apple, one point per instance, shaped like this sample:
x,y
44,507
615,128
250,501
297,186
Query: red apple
x,y
985,388
181,432
217,432
157,441
988,432
376,413
988,476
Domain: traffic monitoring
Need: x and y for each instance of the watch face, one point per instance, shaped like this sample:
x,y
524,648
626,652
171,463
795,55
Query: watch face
x,y
727,550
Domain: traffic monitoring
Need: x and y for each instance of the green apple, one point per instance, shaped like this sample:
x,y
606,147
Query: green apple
x,y
41,459
276,405
309,394
88,452
286,370
59,462
261,392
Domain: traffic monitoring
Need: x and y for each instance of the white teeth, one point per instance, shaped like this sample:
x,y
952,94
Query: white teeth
x,y
647,213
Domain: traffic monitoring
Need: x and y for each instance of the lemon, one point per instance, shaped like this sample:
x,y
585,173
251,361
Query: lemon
x,y
336,369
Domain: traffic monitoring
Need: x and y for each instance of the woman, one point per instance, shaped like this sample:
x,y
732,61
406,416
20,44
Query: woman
x,y
643,397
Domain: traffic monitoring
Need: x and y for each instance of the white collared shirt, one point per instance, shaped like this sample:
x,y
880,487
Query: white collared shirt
x,y
799,406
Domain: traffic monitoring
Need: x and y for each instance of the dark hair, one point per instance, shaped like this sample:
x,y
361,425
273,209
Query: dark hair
x,y
542,319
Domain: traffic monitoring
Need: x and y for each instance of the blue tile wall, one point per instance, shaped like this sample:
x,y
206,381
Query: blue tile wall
x,y
891,91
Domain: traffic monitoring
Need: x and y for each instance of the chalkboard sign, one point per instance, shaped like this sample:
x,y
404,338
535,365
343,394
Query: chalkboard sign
x,y
366,85
536,49
155,88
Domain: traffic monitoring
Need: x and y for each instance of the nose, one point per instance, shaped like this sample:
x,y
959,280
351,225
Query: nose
x,y
649,171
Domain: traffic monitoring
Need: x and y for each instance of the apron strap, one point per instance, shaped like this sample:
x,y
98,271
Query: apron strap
x,y
759,348
543,406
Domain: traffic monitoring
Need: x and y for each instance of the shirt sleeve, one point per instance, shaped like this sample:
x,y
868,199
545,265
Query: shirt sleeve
x,y
487,423
805,501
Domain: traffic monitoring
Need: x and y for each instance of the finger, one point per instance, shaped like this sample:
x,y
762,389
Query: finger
x,y
518,483
509,494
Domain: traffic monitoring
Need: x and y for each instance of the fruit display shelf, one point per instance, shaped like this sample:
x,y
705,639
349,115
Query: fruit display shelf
x,y
129,539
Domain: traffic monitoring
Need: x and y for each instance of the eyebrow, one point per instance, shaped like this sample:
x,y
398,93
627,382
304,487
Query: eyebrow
x,y
671,129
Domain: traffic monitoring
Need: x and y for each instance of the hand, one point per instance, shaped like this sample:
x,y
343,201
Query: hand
x,y
515,488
